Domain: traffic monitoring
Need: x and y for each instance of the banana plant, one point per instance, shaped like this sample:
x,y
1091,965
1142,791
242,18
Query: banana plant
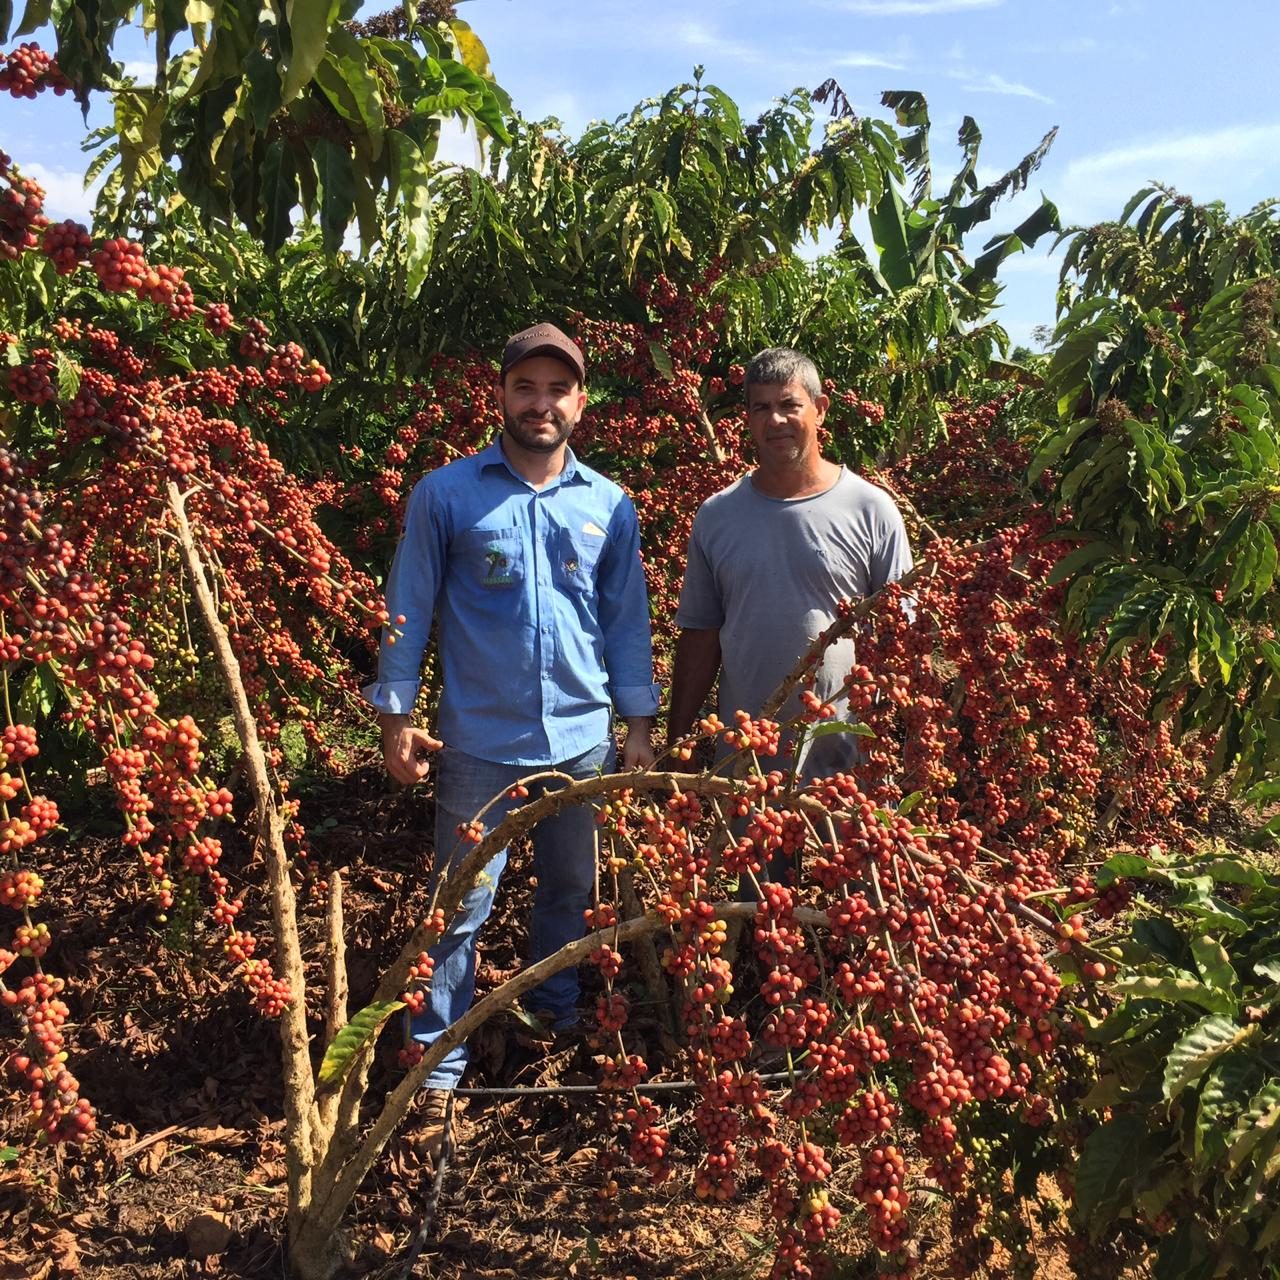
x,y
934,321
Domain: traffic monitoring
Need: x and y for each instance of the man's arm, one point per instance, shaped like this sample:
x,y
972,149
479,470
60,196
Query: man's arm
x,y
697,663
412,586
623,601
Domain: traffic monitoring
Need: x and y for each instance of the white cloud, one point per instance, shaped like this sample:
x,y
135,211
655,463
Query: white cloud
x,y
1235,164
699,36
991,82
1029,263
870,60
912,8
65,196
564,105
143,70
1234,144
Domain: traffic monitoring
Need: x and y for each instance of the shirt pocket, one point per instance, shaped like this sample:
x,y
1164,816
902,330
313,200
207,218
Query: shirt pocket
x,y
491,558
576,556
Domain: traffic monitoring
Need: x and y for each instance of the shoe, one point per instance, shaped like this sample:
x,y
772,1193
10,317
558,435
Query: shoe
x,y
428,1132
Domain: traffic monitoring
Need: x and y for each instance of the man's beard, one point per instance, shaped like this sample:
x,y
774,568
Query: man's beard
x,y
524,437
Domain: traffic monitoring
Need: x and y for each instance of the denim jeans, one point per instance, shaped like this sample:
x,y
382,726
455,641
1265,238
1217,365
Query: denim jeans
x,y
563,861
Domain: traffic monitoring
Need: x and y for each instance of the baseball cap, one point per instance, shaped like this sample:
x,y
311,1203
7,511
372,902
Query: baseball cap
x,y
543,340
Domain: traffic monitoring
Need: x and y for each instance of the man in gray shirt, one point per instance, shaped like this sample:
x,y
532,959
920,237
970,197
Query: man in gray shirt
x,y
772,556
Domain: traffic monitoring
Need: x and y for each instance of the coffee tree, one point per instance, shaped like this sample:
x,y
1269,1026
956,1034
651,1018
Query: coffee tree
x,y
1163,455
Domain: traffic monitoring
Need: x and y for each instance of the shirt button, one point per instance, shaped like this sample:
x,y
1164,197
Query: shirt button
x,y
571,566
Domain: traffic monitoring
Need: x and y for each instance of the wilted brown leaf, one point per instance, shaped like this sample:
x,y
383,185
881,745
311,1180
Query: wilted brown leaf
x,y
218,1135
267,1173
207,1233
65,1252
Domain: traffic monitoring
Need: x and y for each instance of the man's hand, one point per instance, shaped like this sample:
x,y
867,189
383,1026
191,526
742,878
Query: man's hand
x,y
406,750
637,746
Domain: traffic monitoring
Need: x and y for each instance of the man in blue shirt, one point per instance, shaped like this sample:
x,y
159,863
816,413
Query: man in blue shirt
x,y
530,563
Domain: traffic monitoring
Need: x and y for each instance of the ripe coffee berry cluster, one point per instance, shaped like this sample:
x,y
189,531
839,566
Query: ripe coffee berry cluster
x,y
28,70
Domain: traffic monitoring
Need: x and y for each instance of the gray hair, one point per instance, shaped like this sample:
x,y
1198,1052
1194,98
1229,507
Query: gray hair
x,y
776,366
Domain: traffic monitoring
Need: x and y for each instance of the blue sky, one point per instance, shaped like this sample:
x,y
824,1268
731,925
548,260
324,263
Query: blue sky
x,y
1178,91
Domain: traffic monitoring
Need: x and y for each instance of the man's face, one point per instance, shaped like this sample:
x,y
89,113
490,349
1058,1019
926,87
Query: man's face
x,y
541,401
783,420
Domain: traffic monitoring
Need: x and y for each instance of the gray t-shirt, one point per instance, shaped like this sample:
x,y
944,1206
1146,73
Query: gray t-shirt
x,y
768,573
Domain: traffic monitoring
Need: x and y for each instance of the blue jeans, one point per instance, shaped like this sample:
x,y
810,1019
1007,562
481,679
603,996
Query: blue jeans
x,y
563,861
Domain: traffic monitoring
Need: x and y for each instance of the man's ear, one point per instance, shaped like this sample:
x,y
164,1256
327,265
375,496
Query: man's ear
x,y
821,403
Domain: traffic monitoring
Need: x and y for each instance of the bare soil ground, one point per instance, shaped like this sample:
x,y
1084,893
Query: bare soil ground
x,y
186,1177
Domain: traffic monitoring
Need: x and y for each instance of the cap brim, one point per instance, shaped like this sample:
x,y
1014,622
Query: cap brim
x,y
548,349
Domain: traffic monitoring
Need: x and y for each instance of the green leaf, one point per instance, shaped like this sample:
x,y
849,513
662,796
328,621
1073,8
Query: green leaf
x,y
1270,1235
1107,1091
1226,1087
139,119
1122,866
1199,1048
337,190
9,1154
278,194
68,376
1056,444
1184,991
1184,1255
908,803
1264,572
38,694
1233,871
34,16
348,1042
415,200
1107,1162
1213,962
889,234
1256,1126
1074,561
348,82
661,360
1146,944
309,24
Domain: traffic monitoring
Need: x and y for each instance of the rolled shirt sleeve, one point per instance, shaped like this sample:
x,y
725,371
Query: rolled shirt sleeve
x,y
624,618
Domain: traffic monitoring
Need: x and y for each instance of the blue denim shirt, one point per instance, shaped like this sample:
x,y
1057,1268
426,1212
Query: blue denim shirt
x,y
543,614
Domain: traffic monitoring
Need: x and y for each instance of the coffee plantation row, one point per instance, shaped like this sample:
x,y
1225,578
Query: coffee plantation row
x,y
1024,983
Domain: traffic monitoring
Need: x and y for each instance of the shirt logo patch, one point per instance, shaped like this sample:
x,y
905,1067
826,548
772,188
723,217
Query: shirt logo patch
x,y
498,565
